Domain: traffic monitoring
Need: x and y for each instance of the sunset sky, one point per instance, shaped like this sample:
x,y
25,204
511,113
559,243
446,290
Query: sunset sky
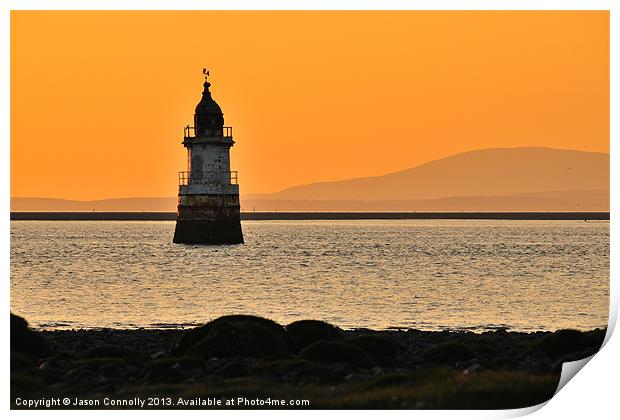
x,y
99,99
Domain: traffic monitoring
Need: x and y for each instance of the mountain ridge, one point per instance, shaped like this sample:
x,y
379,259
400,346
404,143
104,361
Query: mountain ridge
x,y
486,172
502,179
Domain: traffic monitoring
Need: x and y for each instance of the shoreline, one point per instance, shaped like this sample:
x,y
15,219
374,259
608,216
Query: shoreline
x,y
252,357
171,216
182,328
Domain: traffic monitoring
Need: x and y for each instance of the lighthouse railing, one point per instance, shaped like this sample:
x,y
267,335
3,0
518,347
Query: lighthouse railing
x,y
190,132
209,176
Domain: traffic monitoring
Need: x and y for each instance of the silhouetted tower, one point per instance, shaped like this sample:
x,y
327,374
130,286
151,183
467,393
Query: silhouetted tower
x,y
208,210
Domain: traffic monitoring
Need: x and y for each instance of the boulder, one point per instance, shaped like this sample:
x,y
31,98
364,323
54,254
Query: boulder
x,y
233,336
24,340
301,334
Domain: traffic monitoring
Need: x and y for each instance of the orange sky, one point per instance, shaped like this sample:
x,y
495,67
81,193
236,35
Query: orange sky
x,y
99,99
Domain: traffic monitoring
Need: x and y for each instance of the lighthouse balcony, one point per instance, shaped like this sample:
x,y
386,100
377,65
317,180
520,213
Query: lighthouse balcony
x,y
190,133
208,177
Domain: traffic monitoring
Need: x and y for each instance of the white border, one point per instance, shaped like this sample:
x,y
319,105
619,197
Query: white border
x,y
592,394
312,5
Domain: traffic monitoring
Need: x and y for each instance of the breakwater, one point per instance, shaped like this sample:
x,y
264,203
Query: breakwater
x,y
154,216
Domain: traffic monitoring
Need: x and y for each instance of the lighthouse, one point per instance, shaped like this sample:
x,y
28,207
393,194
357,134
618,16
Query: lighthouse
x,y
208,206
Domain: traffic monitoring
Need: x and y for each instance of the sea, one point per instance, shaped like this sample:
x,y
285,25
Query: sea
x,y
379,274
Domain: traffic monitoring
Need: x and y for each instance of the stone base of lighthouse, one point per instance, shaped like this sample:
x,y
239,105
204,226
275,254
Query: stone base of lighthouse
x,y
208,219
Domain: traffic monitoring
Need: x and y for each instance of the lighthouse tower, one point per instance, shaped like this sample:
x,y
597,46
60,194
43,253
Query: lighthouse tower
x,y
208,209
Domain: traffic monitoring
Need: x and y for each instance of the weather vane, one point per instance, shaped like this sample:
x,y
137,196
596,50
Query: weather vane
x,y
205,72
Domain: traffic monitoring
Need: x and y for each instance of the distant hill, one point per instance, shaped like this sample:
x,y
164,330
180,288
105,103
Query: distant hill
x,y
113,204
520,179
480,173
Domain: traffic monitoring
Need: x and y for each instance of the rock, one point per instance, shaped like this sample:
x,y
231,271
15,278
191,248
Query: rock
x,y
301,334
170,369
377,371
234,369
375,345
110,350
472,369
24,340
53,368
563,342
597,336
232,336
230,341
91,368
294,368
158,355
20,361
487,345
450,352
190,337
337,352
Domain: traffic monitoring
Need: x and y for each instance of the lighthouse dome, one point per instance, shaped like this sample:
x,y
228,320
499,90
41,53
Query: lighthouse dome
x,y
208,117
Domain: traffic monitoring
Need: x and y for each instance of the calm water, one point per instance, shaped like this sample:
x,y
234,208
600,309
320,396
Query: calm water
x,y
377,274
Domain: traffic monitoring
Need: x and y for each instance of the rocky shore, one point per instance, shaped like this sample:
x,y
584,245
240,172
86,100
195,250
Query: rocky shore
x,y
245,362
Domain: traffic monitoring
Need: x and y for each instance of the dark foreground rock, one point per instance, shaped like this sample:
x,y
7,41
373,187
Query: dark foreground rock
x,y
257,363
24,340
